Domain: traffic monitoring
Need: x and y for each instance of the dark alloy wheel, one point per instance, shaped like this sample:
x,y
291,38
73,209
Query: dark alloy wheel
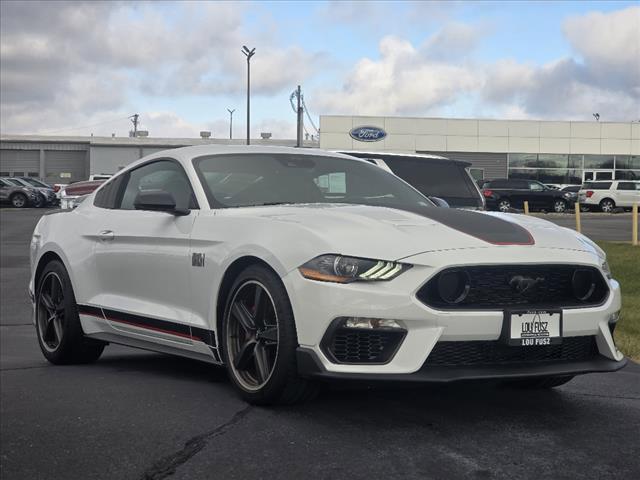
x,y
504,205
19,200
259,340
58,328
252,335
50,312
38,201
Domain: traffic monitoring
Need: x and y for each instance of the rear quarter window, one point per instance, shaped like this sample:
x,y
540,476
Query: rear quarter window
x,y
597,186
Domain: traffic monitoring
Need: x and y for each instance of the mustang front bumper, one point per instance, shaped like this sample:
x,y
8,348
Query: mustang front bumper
x,y
317,304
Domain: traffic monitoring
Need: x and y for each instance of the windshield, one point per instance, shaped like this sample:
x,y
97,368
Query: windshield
x,y
35,183
240,180
14,181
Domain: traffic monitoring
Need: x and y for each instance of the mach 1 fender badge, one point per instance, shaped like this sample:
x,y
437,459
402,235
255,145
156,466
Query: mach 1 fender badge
x,y
197,259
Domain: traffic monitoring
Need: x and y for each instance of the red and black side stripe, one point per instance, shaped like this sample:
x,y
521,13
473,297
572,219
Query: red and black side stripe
x,y
153,324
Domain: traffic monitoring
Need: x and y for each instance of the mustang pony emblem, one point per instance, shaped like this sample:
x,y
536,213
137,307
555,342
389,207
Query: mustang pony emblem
x,y
522,284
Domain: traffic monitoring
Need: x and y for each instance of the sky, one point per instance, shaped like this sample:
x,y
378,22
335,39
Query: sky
x,y
77,68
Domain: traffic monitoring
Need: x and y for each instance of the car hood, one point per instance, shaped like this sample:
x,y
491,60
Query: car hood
x,y
394,234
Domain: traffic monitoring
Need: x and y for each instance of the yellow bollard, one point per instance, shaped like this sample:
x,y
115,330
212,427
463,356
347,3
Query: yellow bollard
x,y
578,224
634,224
526,207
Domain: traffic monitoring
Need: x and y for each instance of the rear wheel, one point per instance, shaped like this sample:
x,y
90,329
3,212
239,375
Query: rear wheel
x,y
260,341
540,382
58,328
607,205
504,205
19,200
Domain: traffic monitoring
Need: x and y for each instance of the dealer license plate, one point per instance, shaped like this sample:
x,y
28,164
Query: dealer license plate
x,y
534,327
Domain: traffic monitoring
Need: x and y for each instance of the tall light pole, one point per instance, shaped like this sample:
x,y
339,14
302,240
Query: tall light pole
x,y
231,122
248,53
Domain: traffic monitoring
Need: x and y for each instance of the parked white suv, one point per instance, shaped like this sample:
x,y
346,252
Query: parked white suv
x,y
609,195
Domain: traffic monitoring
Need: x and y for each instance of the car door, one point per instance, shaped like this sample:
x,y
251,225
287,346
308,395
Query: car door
x,y
627,193
4,191
142,257
539,196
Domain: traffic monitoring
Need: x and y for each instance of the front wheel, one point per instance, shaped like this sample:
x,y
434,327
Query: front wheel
x,y
58,328
38,202
259,340
559,206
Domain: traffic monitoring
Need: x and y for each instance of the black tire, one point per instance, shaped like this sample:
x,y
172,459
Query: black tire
x,y
607,205
283,385
504,204
585,208
19,200
559,206
540,382
61,340
39,201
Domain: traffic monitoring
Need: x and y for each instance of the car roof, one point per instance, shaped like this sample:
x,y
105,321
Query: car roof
x,y
185,154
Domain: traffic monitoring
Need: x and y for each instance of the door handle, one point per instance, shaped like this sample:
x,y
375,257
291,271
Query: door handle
x,y
106,235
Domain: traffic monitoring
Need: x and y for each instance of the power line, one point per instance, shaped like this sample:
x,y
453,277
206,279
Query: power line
x,y
85,126
304,106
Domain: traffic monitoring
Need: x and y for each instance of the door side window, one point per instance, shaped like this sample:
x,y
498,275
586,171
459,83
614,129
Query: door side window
x,y
161,175
536,187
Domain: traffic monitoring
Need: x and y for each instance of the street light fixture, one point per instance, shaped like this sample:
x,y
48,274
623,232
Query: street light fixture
x,y
248,53
231,122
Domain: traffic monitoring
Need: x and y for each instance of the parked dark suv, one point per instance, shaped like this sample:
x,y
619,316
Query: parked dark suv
x,y
503,194
436,177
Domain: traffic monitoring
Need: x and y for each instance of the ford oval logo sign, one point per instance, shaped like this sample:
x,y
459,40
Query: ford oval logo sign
x,y
367,134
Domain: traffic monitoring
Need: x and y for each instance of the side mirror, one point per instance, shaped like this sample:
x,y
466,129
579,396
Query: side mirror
x,y
158,201
440,202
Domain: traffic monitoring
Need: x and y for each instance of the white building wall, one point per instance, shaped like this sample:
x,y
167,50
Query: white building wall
x,y
408,134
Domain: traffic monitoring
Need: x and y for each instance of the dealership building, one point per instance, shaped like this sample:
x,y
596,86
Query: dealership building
x,y
71,159
561,152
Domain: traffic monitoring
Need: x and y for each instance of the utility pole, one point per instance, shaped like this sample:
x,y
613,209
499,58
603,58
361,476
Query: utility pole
x,y
231,122
300,118
248,53
134,120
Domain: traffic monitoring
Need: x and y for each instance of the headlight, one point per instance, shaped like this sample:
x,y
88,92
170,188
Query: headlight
x,y
606,269
336,268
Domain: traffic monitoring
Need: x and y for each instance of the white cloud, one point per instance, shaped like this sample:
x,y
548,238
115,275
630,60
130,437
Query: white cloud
x,y
402,81
72,62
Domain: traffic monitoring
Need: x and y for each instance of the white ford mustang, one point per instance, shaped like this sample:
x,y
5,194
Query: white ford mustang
x,y
291,265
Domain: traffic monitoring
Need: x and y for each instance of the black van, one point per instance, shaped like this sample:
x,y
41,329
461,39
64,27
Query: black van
x,y
432,175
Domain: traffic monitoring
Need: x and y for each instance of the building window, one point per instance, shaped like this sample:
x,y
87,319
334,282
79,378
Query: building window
x,y
625,162
598,161
627,174
33,174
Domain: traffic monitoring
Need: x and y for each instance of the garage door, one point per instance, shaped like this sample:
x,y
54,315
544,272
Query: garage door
x,y
65,166
18,163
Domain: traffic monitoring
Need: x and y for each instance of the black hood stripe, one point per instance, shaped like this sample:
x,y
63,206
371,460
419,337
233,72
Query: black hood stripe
x,y
488,228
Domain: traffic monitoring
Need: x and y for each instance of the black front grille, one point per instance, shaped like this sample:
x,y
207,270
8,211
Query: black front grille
x,y
491,288
497,353
350,345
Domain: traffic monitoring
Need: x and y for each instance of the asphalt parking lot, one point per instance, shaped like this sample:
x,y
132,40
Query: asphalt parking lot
x,y
143,415
597,226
